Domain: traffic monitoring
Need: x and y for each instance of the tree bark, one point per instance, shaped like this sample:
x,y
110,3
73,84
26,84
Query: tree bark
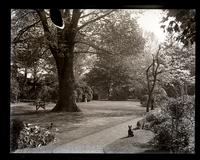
x,y
155,65
66,100
62,48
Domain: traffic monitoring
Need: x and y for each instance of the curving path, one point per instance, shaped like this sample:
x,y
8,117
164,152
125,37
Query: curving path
x,y
95,143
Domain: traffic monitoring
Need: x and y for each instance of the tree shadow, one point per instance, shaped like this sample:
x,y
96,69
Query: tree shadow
x,y
40,112
126,137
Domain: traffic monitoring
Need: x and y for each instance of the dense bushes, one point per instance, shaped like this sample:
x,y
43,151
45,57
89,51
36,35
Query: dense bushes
x,y
26,135
159,95
180,124
16,126
143,100
14,88
119,93
48,93
173,125
82,91
34,136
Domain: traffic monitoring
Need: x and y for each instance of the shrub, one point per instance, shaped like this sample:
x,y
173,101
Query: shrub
x,y
174,133
14,90
46,93
119,93
169,139
159,96
34,136
163,136
27,136
143,100
82,91
155,118
15,129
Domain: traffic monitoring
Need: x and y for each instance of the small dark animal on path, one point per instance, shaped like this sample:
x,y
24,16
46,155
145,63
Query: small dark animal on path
x,y
130,132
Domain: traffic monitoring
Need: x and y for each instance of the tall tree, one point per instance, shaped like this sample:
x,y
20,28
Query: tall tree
x,y
152,73
62,45
121,35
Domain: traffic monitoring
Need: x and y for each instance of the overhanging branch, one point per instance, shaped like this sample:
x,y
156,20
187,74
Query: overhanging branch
x,y
95,47
22,31
93,20
86,15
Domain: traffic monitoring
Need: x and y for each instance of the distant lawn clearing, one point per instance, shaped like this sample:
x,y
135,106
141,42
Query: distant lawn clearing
x,y
95,116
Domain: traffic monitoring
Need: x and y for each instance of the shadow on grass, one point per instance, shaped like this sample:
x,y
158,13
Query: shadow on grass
x,y
32,113
125,137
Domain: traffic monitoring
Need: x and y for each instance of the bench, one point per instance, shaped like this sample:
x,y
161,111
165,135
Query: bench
x,y
40,104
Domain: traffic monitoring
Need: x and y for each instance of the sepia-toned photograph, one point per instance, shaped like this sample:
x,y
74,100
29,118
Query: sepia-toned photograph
x,y
102,81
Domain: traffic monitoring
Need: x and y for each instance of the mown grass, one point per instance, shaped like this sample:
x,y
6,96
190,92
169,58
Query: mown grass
x,y
95,116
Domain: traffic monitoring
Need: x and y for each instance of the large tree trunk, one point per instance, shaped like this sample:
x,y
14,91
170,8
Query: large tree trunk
x,y
66,100
62,48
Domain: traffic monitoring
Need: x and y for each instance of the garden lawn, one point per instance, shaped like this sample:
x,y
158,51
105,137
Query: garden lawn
x,y
95,116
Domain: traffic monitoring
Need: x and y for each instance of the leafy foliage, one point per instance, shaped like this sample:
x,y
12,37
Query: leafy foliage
x,y
159,95
143,100
34,136
14,89
183,22
28,135
82,91
15,129
110,77
177,68
174,125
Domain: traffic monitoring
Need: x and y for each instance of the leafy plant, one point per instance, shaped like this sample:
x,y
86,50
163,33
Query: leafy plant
x,y
176,132
15,128
14,89
82,91
34,136
143,100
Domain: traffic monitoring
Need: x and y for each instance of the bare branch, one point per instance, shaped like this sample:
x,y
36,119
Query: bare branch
x,y
22,31
96,19
43,18
77,52
47,33
86,15
25,14
95,47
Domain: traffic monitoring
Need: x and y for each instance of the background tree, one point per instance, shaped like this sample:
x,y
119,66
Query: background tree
x,y
151,73
182,22
121,35
177,74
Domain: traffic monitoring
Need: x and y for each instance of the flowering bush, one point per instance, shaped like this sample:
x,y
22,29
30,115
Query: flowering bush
x,y
154,118
34,136
174,134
